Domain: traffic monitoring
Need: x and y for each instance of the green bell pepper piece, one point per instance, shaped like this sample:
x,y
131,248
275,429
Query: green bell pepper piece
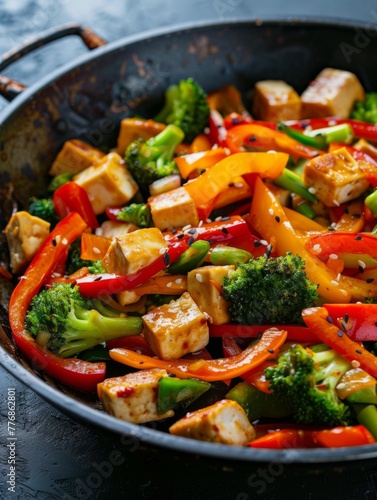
x,y
192,258
173,391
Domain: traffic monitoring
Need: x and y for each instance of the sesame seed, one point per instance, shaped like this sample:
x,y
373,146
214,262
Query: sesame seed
x,y
208,220
169,285
200,223
96,250
178,281
224,230
199,277
191,231
270,211
340,333
271,351
166,259
312,190
277,218
358,237
264,242
218,218
162,251
369,280
271,152
226,217
238,185
58,239
190,241
98,278
343,291
335,283
65,241
317,248
257,243
355,363
359,351
268,250
54,242
361,264
329,319
333,256
346,317
186,228
231,184
341,386
336,203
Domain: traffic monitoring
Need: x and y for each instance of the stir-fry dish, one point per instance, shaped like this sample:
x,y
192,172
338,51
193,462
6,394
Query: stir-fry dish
x,y
215,271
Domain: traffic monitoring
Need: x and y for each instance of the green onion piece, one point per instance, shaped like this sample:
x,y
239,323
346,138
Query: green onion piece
x,y
293,182
336,133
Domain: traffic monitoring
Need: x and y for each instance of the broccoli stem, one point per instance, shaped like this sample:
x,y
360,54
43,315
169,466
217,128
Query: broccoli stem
x,y
337,133
162,146
293,182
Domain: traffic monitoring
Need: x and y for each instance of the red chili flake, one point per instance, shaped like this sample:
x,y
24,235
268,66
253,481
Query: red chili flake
x,y
215,428
124,393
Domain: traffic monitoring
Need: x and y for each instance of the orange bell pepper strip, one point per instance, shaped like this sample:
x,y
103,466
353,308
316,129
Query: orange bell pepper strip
x,y
169,284
200,143
205,188
354,380
319,320
268,218
199,161
81,375
328,438
209,370
93,246
352,220
251,137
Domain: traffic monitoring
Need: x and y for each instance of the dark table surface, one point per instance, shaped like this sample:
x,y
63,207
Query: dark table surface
x,y
57,457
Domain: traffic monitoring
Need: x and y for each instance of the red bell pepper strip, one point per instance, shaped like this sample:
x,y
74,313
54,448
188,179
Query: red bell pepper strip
x,y
135,343
357,320
209,370
218,231
94,285
255,136
234,119
323,245
217,131
294,332
336,437
319,320
70,197
76,373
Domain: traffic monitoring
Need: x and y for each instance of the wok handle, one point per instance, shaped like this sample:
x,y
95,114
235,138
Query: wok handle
x,y
10,88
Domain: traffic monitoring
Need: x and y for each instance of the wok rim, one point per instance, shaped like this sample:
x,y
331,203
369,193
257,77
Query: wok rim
x,y
86,414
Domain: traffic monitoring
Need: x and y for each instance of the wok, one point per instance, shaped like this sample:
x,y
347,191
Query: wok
x,y
87,99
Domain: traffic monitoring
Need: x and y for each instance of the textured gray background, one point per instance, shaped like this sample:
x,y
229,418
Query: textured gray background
x,y
59,458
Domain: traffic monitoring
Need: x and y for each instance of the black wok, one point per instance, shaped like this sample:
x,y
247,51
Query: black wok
x,y
88,98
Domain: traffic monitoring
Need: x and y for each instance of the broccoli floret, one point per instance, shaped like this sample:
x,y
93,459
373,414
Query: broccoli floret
x,y
269,290
44,209
307,380
186,107
66,324
136,213
59,180
75,262
151,160
366,110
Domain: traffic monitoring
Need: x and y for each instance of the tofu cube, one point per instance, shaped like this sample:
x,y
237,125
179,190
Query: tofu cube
x,y
205,287
224,422
173,210
74,157
111,228
133,397
25,234
275,100
335,177
332,93
108,183
175,329
130,252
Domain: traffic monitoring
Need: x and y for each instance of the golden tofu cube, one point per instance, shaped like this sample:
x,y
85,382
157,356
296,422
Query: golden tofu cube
x,y
332,93
173,210
133,397
205,287
132,129
108,183
25,234
111,228
175,329
130,252
335,177
275,100
224,422
74,157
